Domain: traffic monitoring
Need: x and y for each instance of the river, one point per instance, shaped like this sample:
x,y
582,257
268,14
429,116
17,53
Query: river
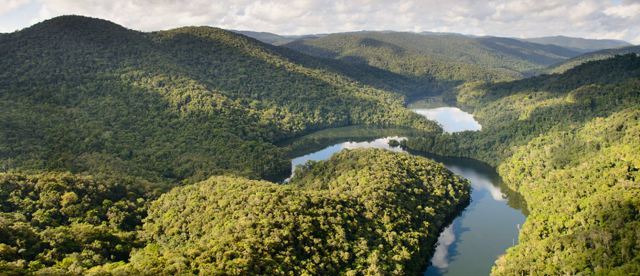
x,y
482,232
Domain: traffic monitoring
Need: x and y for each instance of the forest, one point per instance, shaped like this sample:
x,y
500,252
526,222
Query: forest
x,y
163,153
168,107
100,123
361,211
569,144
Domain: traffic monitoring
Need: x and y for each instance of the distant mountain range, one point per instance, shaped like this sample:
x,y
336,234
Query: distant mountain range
x,y
437,57
579,44
591,56
274,39
574,43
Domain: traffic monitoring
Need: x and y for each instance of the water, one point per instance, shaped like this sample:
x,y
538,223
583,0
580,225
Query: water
x,y
484,230
451,119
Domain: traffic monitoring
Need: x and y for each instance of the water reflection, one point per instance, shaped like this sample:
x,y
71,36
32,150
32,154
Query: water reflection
x,y
452,119
441,255
327,152
483,231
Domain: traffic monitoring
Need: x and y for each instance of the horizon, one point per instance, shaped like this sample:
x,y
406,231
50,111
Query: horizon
x,y
603,20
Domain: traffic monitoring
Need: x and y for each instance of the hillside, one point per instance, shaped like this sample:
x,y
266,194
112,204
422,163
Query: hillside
x,y
567,142
437,62
579,44
87,95
370,211
597,55
271,38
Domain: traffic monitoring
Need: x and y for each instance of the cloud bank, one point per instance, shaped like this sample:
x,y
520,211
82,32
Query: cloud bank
x,y
615,19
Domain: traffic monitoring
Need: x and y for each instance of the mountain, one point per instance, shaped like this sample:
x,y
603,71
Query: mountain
x,y
274,39
85,94
100,123
568,144
579,44
436,60
597,55
365,210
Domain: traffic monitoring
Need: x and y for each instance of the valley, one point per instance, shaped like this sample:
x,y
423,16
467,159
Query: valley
x,y
205,151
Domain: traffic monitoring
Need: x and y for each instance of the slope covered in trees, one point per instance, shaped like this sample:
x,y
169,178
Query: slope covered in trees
x,y
272,38
68,221
362,211
597,55
87,95
579,44
437,61
569,144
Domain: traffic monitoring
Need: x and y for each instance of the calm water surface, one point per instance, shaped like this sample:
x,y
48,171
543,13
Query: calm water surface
x,y
452,119
484,230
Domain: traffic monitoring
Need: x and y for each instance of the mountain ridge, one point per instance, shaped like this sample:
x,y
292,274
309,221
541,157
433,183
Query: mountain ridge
x,y
581,44
232,94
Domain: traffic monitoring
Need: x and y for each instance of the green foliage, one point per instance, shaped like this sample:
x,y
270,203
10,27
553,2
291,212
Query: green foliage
x,y
87,95
583,185
361,212
514,113
569,144
65,221
580,44
434,62
592,56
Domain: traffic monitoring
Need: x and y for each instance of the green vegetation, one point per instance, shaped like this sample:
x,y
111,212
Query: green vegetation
x,y
569,144
105,130
580,44
593,56
435,62
87,95
271,38
59,222
363,211
582,185
99,121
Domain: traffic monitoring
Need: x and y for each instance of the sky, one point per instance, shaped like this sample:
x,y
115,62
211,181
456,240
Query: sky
x,y
603,19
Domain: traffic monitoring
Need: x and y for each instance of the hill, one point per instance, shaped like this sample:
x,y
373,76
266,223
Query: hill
x,y
87,95
579,44
271,38
566,142
437,61
597,55
371,211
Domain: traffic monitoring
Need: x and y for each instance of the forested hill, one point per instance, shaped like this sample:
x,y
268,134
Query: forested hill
x,y
569,144
88,95
579,44
597,55
272,38
438,59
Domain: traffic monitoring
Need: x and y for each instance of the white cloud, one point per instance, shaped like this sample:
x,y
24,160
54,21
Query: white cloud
x,y
518,18
10,5
624,11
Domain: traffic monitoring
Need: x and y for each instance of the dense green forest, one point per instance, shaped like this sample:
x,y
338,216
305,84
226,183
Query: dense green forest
x,y
87,95
99,122
126,152
592,56
437,62
569,144
363,211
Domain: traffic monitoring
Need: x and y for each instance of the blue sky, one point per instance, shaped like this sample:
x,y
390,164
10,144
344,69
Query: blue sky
x,y
613,19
